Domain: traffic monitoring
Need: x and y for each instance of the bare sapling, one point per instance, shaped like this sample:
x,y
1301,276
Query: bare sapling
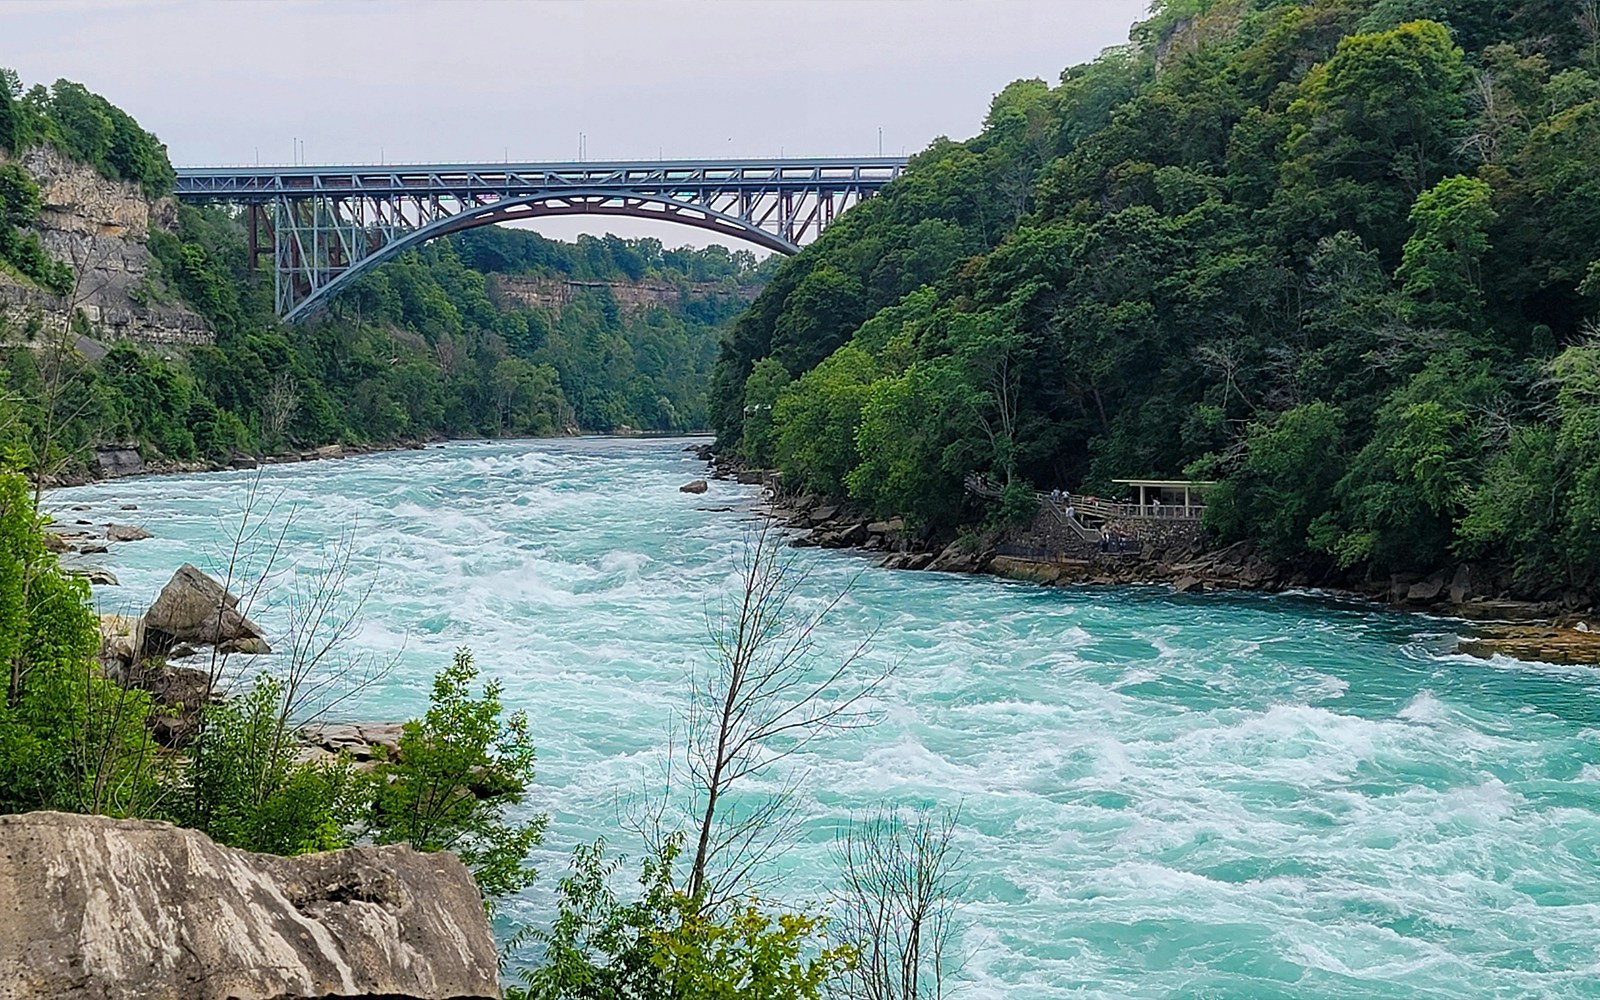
x,y
769,693
903,882
313,668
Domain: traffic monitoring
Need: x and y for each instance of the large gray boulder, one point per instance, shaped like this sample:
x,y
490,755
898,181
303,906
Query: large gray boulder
x,y
195,609
107,909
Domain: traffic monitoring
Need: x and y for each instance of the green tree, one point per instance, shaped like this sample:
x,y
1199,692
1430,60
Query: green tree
x,y
760,395
70,739
1439,271
1374,127
1292,464
817,417
457,771
248,789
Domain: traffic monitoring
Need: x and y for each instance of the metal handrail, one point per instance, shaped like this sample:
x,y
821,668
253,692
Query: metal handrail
x,y
1108,509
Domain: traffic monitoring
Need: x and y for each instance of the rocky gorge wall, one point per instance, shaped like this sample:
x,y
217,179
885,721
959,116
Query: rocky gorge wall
x,y
101,227
632,297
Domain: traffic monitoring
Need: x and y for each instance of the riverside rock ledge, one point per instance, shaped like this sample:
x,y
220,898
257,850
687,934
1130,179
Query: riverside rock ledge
x,y
105,909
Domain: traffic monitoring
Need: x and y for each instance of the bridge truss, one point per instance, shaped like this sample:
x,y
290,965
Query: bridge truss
x,y
323,225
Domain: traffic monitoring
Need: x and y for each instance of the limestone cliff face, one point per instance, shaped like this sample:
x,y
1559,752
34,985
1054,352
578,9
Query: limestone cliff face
x,y
107,909
102,227
632,297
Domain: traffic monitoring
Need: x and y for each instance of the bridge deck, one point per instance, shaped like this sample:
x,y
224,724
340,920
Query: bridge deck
x,y
247,184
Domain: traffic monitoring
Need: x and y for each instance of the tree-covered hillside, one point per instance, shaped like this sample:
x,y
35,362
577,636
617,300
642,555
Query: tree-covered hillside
x,y
419,347
1343,255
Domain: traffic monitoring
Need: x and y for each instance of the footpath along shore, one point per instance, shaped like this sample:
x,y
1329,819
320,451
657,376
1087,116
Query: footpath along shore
x,y
1563,630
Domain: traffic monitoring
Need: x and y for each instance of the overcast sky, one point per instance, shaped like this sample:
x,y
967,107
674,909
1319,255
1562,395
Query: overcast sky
x,y
454,80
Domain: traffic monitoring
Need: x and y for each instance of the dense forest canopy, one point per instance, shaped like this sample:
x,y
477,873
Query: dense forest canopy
x,y
1342,255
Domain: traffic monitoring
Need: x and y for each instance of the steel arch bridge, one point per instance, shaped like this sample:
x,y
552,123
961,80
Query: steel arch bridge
x,y
324,225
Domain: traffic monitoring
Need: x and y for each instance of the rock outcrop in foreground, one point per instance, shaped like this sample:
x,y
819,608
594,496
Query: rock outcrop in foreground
x,y
117,909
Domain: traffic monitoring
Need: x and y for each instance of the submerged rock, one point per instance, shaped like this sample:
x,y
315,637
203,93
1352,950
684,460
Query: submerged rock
x,y
121,909
125,533
250,645
1542,644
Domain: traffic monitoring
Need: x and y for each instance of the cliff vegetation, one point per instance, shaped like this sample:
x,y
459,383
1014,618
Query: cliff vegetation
x,y
1342,256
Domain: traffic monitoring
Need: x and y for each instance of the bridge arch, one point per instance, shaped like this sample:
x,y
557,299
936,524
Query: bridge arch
x,y
325,225
552,204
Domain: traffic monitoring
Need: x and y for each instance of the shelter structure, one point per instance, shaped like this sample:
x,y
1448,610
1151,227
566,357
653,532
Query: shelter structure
x,y
1180,498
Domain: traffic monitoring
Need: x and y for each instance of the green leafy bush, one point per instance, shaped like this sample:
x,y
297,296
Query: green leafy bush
x,y
458,771
663,944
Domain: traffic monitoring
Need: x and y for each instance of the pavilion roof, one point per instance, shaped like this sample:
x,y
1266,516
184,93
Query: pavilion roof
x,y
1171,484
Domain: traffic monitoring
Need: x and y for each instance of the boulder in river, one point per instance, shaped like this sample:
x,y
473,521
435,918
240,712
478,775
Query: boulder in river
x,y
119,461
695,486
118,909
194,608
125,533
958,558
361,740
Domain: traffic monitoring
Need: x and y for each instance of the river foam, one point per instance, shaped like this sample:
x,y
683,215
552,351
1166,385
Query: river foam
x,y
1162,795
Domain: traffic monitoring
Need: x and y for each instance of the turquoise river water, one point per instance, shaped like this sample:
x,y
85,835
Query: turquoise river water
x,y
1163,796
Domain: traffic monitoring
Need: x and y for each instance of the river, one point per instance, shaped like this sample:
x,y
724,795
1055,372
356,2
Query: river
x,y
1233,796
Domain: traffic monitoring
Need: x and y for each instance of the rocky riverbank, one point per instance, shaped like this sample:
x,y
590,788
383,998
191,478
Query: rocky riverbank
x,y
195,613
1562,630
123,461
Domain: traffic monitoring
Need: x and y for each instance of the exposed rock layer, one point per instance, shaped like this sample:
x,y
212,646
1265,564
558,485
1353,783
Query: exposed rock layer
x,y
102,226
108,909
632,297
